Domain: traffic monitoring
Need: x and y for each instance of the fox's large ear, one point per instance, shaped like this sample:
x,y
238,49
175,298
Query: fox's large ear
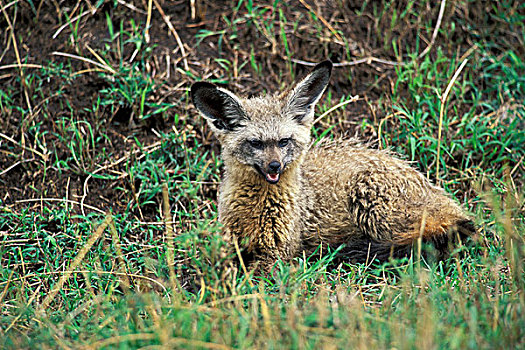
x,y
220,107
304,96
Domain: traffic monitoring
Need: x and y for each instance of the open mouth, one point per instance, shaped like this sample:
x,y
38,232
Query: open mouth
x,y
272,178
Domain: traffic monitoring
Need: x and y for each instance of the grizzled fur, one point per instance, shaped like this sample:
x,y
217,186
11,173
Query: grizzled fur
x,y
282,196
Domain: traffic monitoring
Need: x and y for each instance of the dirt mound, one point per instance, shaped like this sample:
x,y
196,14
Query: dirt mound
x,y
82,85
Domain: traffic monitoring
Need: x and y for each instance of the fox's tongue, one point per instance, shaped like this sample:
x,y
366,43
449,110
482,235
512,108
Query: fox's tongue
x,y
272,177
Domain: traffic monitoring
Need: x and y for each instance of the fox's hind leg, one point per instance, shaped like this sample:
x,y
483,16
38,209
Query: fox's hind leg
x,y
393,220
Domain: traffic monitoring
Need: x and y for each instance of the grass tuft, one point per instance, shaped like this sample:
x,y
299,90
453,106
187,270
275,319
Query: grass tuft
x,y
96,119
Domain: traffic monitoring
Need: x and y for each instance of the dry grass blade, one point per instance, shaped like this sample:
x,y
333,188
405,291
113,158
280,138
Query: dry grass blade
x,y
78,259
442,112
120,254
22,65
368,60
243,266
436,29
4,292
170,235
3,172
68,201
101,60
132,7
8,5
29,302
265,312
339,105
100,272
382,122
148,21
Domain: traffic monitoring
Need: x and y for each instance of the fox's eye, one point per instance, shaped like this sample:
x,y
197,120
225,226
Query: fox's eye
x,y
256,144
283,142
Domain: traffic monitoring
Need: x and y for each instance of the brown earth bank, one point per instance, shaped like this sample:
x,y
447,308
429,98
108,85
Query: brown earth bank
x,y
64,64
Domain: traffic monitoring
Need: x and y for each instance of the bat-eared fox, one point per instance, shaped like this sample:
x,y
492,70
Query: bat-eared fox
x,y
282,196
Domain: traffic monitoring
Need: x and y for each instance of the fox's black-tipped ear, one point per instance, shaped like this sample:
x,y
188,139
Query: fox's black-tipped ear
x,y
220,107
305,95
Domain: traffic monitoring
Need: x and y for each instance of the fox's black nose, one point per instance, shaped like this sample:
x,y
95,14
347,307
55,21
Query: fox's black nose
x,y
274,166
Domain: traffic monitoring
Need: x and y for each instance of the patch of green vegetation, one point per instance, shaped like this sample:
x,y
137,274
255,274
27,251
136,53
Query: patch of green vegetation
x,y
476,130
467,302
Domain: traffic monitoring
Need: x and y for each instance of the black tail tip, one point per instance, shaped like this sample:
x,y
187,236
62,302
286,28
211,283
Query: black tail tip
x,y
466,228
461,233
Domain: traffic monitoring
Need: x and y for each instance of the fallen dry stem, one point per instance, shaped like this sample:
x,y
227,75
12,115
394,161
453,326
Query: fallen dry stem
x,y
132,7
44,157
368,60
71,20
325,22
106,67
175,34
22,65
17,54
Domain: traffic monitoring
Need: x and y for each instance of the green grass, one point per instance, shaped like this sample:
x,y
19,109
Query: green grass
x,y
90,144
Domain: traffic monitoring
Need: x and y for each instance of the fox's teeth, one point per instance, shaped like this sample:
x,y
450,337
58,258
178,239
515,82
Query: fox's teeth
x,y
272,177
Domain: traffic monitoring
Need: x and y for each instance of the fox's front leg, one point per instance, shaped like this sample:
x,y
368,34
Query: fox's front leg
x,y
256,254
264,253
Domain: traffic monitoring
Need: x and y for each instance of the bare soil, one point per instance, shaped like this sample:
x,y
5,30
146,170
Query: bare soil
x,y
41,30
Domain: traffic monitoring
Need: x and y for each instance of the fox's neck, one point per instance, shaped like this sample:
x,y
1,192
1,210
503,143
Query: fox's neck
x,y
267,214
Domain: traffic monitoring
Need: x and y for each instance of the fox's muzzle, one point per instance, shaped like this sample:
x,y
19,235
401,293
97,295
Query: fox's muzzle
x,y
271,172
274,171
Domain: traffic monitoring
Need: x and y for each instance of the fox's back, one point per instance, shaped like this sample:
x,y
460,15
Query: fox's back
x,y
337,165
354,191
